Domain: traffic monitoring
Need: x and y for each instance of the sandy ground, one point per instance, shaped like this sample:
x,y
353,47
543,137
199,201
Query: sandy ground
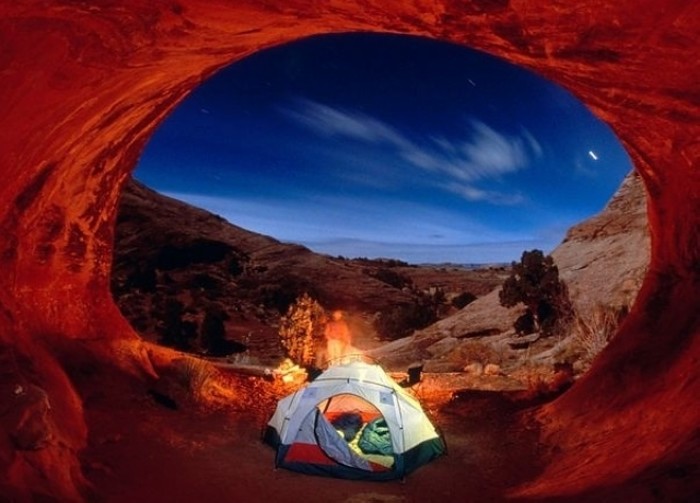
x,y
143,447
142,451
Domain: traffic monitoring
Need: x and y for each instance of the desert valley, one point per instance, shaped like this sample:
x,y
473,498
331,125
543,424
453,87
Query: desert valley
x,y
209,409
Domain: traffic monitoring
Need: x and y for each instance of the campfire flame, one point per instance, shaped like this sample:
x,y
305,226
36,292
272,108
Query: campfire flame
x,y
289,372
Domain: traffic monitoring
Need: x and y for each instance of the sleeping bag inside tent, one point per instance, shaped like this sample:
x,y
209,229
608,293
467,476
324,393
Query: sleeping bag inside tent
x,y
355,422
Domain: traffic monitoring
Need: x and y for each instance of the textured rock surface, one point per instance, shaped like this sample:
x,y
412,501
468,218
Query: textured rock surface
x,y
483,317
83,85
603,261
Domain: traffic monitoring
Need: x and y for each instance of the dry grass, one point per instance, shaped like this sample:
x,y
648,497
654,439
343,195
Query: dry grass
x,y
195,375
593,333
544,381
475,351
536,378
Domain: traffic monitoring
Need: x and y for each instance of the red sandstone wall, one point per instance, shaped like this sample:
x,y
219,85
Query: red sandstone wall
x,y
83,85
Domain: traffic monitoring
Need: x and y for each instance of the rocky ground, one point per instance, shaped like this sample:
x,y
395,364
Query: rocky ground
x,y
603,261
218,456
204,444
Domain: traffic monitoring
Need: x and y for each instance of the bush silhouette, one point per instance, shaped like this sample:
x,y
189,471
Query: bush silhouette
x,y
283,292
400,321
175,332
463,299
534,282
213,332
392,278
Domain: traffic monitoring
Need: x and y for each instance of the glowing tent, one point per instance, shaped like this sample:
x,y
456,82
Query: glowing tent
x,y
353,422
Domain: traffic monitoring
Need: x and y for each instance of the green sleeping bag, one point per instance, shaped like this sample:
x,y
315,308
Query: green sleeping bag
x,y
375,438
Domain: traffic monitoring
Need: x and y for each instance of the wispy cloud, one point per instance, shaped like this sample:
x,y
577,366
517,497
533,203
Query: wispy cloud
x,y
471,193
329,121
457,165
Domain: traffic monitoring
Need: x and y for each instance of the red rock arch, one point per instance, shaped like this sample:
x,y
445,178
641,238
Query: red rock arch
x,y
83,86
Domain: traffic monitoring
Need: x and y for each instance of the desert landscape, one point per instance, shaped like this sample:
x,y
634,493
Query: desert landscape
x,y
140,346
206,264
474,384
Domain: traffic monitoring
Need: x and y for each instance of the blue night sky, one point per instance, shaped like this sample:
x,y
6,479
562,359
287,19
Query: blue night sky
x,y
392,146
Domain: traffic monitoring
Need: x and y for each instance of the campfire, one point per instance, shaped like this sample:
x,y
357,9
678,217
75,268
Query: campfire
x,y
289,372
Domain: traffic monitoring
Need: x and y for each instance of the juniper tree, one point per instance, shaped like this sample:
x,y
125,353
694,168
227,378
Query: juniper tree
x,y
213,331
174,331
534,282
301,330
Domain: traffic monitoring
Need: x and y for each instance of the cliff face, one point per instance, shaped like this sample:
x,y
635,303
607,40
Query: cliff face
x,y
84,86
603,261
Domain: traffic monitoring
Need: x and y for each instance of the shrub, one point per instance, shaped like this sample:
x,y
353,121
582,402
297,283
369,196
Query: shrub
x,y
482,353
475,351
525,323
213,332
537,379
286,289
463,299
175,332
594,332
194,374
391,278
400,321
236,265
301,330
534,282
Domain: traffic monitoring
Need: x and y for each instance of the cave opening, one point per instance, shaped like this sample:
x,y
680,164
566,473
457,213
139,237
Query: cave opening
x,y
394,149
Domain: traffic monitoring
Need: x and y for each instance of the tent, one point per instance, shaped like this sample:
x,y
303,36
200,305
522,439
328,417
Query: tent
x,y
353,421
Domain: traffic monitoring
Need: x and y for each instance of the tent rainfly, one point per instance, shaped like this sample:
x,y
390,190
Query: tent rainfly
x,y
353,422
